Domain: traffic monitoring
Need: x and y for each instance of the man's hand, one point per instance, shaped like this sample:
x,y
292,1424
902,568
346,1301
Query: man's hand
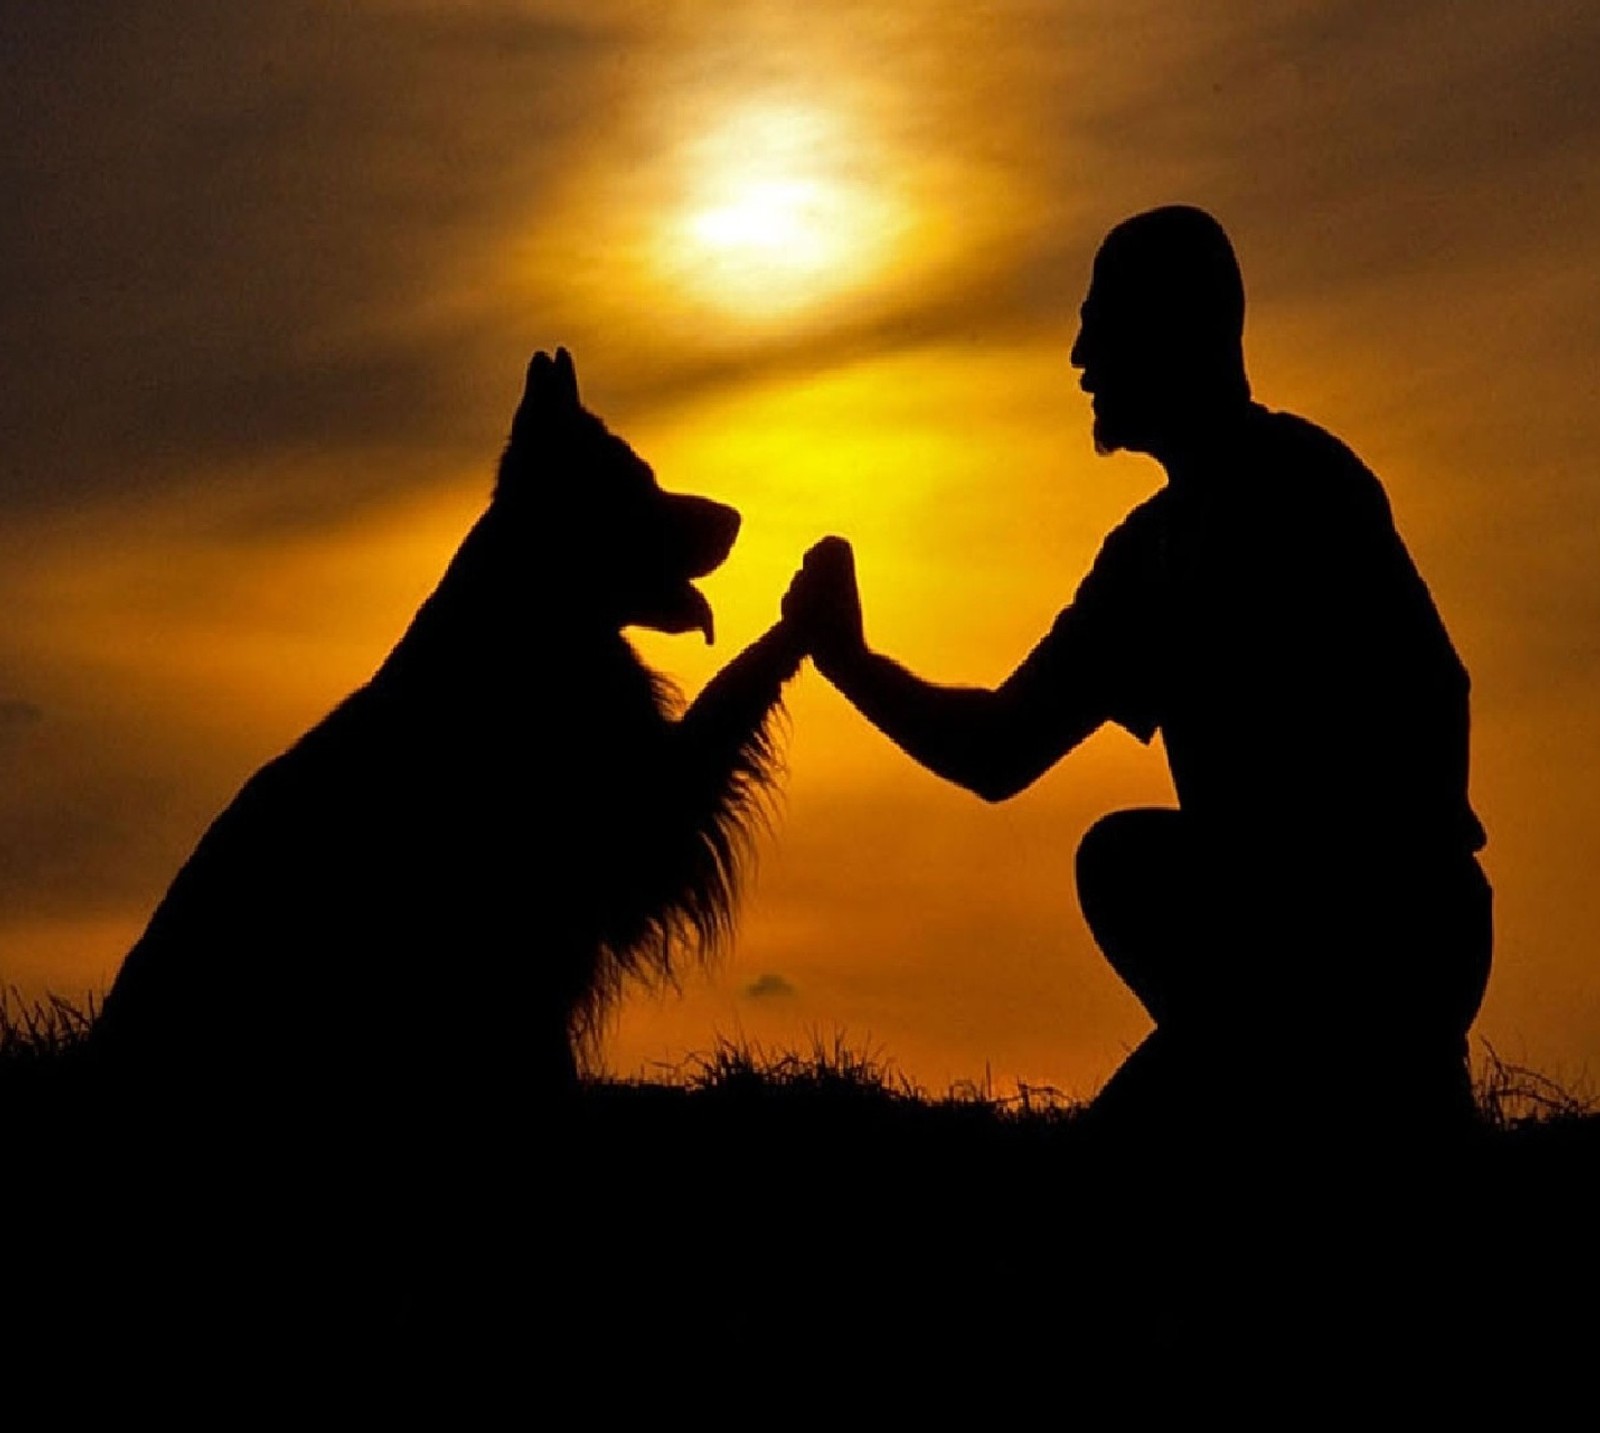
x,y
824,604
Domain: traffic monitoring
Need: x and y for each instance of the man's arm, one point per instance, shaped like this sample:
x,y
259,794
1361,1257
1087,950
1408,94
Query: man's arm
x,y
993,743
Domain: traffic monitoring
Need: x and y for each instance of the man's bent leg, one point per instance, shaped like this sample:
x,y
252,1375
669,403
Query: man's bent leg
x,y
1137,886
1422,962
1141,890
1315,987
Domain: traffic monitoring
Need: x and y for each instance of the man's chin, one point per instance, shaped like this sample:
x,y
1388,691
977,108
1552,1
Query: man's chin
x,y
1119,433
1107,439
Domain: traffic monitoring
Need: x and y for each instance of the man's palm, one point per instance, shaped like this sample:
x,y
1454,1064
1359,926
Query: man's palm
x,y
824,602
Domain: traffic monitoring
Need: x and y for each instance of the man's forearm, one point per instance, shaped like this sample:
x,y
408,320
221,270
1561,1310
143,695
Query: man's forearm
x,y
993,743
956,732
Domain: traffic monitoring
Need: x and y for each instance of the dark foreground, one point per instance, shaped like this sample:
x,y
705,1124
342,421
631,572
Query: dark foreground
x,y
796,1215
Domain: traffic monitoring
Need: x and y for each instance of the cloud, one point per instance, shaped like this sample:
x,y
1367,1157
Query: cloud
x,y
769,987
1357,152
15,713
239,231
92,836
239,234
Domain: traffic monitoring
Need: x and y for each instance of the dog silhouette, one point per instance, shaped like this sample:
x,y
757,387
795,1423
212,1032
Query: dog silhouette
x,y
447,881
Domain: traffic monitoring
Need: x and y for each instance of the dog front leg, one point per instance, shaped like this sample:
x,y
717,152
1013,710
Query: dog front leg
x,y
726,735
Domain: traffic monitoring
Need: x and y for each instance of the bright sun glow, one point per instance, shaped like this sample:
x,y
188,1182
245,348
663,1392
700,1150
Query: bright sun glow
x,y
775,215
779,214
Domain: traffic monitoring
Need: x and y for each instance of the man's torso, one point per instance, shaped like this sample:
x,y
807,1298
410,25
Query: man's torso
x,y
1267,619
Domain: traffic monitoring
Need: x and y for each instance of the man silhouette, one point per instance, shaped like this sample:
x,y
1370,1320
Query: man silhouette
x,y
1309,929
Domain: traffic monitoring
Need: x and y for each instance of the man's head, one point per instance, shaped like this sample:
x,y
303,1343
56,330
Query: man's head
x,y
1161,342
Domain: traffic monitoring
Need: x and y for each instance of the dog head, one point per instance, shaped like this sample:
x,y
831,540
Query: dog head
x,y
623,547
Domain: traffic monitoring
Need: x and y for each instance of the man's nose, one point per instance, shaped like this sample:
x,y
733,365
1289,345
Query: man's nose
x,y
1077,358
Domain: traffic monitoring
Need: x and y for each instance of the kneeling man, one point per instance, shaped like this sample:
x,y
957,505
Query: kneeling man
x,y
1310,929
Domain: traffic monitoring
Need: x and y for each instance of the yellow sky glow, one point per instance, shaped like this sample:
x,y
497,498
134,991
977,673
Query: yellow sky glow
x,y
776,214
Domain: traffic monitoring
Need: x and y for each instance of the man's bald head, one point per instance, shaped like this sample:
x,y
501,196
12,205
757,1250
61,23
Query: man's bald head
x,y
1162,338
1174,269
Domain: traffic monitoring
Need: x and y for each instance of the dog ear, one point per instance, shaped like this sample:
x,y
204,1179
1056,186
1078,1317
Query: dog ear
x,y
552,387
567,378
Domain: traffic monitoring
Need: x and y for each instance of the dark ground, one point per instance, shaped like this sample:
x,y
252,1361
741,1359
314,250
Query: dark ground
x,y
790,1214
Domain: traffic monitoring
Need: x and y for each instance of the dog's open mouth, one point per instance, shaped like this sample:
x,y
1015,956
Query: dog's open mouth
x,y
681,608
698,536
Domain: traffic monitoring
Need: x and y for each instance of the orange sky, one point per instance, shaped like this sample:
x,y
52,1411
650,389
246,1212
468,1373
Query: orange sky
x,y
273,274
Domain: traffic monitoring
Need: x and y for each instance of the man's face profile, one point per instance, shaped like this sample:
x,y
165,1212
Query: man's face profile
x,y
1117,372
1159,340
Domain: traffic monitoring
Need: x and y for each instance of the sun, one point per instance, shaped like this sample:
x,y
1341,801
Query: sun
x,y
779,213
780,219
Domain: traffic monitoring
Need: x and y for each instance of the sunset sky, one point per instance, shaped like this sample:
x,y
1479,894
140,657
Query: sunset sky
x,y
272,274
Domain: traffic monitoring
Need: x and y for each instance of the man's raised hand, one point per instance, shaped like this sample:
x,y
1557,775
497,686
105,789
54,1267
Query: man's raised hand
x,y
824,605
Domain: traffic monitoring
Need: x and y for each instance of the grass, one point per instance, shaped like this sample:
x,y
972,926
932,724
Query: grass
x,y
834,1070
37,1033
1512,1097
38,1037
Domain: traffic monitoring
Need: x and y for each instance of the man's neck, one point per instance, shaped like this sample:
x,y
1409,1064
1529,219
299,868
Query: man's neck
x,y
1189,450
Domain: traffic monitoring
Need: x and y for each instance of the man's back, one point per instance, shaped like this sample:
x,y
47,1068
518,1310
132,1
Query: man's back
x,y
1265,616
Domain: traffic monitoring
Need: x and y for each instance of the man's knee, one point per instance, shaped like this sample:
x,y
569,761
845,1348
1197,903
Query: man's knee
x,y
1123,857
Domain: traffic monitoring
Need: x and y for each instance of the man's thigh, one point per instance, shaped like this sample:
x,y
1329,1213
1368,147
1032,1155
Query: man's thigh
x,y
1265,930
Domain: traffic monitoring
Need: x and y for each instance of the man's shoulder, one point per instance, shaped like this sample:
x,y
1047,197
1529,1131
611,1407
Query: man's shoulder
x,y
1130,554
1277,430
1311,462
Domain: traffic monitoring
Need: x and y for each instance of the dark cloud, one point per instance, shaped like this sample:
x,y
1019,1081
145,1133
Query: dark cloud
x,y
97,842
103,793
768,987
227,226
15,712
1351,148
1353,139
235,234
